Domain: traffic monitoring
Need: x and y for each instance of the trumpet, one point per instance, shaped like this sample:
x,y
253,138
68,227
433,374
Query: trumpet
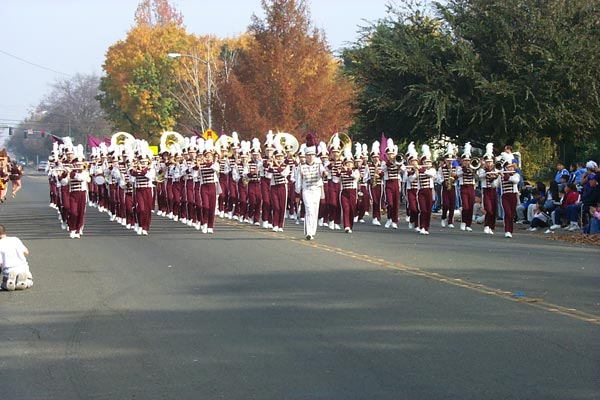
x,y
399,159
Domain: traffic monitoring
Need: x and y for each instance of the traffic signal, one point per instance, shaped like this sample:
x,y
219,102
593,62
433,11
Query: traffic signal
x,y
10,131
25,134
43,133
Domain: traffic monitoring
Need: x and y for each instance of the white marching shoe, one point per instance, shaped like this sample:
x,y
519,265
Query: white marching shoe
x,y
394,225
337,227
469,229
210,230
388,223
411,225
463,226
486,230
507,235
451,226
319,223
444,223
331,225
204,228
376,222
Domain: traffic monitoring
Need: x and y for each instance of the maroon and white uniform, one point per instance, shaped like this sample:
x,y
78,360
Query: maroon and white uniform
x,y
279,193
425,197
392,178
78,186
143,186
510,190
208,191
446,172
252,174
467,177
348,194
490,181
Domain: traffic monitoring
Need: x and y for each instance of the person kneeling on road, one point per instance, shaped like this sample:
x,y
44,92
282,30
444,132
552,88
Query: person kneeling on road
x,y
15,269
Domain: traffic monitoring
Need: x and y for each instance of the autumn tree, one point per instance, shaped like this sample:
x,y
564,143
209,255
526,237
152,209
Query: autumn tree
x,y
136,92
285,77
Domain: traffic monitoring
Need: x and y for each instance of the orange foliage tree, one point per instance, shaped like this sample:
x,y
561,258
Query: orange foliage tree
x,y
136,92
285,77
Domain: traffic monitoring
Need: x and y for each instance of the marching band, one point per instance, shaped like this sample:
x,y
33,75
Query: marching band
x,y
193,180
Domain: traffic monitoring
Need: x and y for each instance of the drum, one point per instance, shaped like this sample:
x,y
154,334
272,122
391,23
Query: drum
x,y
99,180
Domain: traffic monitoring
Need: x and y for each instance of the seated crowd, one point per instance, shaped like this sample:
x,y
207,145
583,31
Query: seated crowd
x,y
572,201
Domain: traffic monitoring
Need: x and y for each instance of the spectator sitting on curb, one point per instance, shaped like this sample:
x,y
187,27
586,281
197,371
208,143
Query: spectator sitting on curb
x,y
571,197
540,217
15,269
478,210
552,198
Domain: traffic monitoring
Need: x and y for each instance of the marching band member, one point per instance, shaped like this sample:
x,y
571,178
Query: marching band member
x,y
392,178
309,182
235,162
298,196
242,182
252,173
333,187
425,194
130,216
447,177
209,175
412,181
323,156
291,161
375,178
265,183
509,181
188,176
162,166
490,180
466,176
280,172
78,186
143,176
363,202
63,175
198,162
51,181
223,179
349,177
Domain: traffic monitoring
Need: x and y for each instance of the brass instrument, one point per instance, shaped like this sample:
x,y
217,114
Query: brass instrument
x,y
475,163
399,159
450,182
169,138
498,165
224,141
345,141
246,167
120,138
287,139
160,175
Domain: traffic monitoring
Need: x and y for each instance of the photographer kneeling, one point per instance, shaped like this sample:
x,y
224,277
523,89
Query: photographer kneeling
x,y
15,269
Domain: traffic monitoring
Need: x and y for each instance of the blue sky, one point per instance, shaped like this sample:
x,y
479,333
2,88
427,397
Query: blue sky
x,y
67,37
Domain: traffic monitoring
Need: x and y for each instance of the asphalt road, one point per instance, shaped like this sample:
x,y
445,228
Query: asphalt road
x,y
251,314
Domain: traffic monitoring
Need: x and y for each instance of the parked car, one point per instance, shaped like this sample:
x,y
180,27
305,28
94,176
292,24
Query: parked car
x,y
42,166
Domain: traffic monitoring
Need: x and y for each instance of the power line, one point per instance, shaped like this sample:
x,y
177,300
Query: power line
x,y
34,64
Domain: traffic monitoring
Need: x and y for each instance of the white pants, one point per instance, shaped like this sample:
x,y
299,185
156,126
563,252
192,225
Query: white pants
x,y
311,198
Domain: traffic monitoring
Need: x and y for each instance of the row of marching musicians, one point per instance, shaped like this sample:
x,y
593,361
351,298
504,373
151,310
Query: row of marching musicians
x,y
187,183
74,182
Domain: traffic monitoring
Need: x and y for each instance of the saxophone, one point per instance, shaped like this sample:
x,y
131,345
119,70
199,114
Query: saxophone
x,y
376,178
246,167
450,180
